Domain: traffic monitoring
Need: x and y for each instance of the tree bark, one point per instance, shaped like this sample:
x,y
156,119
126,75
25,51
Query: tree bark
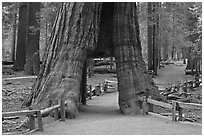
x,y
46,27
133,79
159,34
14,38
74,33
22,37
74,36
155,37
149,36
32,65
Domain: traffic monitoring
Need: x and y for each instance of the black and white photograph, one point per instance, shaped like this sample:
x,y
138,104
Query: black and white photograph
x,y
101,68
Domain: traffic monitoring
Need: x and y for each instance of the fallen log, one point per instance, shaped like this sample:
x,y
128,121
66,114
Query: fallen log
x,y
7,62
101,63
10,118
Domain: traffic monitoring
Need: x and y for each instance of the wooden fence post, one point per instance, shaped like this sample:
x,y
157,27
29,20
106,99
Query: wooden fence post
x,y
56,114
144,105
173,111
83,86
62,109
100,88
180,113
39,117
150,106
31,120
106,87
90,93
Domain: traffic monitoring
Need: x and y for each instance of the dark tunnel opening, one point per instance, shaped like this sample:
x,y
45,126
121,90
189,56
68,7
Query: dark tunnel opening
x,y
105,37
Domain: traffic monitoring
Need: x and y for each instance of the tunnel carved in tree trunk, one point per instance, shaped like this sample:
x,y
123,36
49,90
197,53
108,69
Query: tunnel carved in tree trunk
x,y
74,38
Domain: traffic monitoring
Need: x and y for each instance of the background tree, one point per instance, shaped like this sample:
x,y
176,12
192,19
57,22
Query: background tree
x,y
173,26
10,10
153,36
32,65
9,28
14,38
150,37
22,37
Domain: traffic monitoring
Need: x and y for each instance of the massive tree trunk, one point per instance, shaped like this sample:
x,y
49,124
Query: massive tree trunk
x,y
133,79
22,37
73,39
74,34
32,65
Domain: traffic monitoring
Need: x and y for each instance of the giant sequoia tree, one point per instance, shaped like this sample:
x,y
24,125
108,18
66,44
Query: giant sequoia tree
x,y
133,78
74,37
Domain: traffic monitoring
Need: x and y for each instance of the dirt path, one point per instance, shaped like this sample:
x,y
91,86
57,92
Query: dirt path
x,y
101,116
171,73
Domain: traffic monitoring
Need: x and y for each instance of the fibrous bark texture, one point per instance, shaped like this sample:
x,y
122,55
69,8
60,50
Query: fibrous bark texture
x,y
133,79
74,34
73,39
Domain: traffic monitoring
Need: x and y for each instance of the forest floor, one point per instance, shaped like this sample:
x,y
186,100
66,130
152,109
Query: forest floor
x,y
15,90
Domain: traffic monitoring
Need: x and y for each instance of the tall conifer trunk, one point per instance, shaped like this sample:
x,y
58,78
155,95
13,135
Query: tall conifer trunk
x,y
21,37
133,79
32,65
14,38
149,36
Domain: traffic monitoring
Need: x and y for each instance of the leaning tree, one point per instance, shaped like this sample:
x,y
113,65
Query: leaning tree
x,y
75,37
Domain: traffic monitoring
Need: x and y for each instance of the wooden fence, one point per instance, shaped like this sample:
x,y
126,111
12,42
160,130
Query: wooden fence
x,y
147,106
108,86
39,114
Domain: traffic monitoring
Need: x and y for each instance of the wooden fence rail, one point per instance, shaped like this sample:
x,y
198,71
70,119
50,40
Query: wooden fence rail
x,y
39,114
108,86
181,105
147,106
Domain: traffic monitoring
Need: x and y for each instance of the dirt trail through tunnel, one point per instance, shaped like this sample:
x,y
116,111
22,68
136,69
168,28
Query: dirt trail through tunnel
x,y
101,116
